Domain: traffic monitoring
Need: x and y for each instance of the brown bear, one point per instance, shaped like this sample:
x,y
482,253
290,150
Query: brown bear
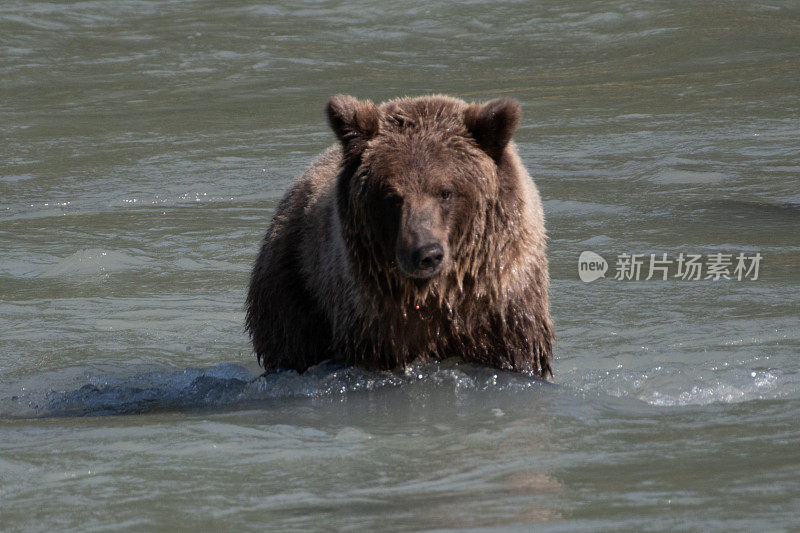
x,y
419,235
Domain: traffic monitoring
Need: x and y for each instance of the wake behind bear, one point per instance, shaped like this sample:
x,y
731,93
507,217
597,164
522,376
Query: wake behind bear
x,y
419,235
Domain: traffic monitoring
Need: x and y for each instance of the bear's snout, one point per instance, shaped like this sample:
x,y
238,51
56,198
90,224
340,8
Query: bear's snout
x,y
422,237
426,258
421,261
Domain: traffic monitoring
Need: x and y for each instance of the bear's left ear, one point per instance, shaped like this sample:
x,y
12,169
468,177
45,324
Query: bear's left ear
x,y
354,122
492,124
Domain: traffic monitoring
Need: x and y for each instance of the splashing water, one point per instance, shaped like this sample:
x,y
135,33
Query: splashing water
x,y
228,385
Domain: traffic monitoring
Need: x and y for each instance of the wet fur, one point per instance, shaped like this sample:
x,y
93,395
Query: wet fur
x,y
326,284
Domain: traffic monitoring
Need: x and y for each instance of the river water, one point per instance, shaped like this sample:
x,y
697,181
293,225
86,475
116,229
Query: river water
x,y
145,145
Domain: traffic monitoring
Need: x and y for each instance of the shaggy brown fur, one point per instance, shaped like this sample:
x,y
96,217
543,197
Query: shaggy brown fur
x,y
420,235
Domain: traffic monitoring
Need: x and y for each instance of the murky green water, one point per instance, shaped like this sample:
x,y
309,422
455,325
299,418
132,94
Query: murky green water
x,y
144,145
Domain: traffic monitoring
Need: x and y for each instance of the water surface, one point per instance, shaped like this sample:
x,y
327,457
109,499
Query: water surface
x,y
145,145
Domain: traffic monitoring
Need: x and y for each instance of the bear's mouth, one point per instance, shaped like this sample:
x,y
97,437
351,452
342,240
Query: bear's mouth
x,y
419,276
420,283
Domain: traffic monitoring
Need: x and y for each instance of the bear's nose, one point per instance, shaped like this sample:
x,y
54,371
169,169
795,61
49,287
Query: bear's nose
x,y
427,257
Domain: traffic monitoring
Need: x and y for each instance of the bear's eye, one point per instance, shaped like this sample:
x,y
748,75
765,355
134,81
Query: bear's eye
x,y
445,194
392,198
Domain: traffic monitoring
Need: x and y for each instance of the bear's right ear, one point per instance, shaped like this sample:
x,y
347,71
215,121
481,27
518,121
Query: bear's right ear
x,y
354,122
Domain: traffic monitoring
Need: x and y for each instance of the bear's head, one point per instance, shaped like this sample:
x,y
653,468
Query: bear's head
x,y
419,182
